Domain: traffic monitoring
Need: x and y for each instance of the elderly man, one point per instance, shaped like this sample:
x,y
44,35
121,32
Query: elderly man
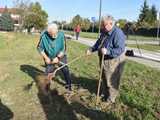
x,y
111,44
52,49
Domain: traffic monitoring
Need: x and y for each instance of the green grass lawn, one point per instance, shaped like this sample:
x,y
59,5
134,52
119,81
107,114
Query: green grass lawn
x,y
149,47
20,64
95,36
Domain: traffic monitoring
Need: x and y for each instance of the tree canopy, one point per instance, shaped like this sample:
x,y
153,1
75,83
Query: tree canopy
x,y
147,16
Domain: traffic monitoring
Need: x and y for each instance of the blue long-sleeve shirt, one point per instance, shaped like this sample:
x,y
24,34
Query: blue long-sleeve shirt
x,y
114,42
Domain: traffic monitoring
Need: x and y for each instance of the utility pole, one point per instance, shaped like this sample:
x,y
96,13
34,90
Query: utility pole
x,y
99,84
100,14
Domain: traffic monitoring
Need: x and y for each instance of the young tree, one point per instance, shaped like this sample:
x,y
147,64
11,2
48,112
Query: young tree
x,y
36,17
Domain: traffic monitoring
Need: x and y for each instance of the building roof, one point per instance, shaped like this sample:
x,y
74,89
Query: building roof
x,y
10,10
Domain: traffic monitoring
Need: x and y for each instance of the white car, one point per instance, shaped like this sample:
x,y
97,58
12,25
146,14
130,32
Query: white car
x,y
68,36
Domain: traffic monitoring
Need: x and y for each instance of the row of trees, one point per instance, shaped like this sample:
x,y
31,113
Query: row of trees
x,y
147,19
32,15
85,23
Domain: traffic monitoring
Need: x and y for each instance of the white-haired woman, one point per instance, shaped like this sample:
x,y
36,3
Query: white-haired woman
x,y
52,49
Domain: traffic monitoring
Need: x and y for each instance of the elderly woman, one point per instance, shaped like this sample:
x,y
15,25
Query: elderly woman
x,y
52,49
111,44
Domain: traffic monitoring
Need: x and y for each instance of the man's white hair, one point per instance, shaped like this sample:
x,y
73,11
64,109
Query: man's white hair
x,y
109,17
52,26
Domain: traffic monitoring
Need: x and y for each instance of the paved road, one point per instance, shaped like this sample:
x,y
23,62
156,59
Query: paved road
x,y
145,57
152,42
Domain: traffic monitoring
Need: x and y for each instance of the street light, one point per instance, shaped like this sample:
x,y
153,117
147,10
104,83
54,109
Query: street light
x,y
100,13
158,26
99,84
93,23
